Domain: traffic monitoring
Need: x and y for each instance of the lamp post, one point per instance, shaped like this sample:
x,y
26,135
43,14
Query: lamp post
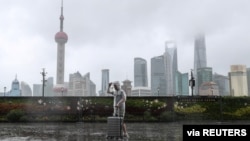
x,y
4,91
43,74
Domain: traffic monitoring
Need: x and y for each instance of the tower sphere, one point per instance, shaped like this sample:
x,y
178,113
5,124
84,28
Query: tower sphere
x,y
61,37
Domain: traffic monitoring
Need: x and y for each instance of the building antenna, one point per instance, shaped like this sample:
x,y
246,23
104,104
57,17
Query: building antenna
x,y
61,17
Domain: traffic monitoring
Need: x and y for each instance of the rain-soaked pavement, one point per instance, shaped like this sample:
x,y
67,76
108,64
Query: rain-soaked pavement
x,y
167,131
87,131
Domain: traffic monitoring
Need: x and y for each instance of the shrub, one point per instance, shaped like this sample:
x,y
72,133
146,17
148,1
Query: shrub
x,y
166,116
148,116
15,115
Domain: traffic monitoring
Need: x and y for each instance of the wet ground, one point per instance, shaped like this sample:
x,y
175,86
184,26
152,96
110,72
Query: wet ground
x,y
81,131
87,132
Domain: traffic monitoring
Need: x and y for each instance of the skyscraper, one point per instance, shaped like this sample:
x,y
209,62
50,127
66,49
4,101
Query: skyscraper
x,y
37,90
140,72
158,78
81,85
238,80
181,86
25,88
184,84
49,87
105,82
15,88
200,57
204,75
127,87
171,68
76,84
223,84
61,38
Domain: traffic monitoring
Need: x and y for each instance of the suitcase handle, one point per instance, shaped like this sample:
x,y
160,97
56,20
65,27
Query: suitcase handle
x,y
117,111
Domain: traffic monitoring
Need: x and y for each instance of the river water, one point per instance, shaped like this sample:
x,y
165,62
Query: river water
x,y
167,131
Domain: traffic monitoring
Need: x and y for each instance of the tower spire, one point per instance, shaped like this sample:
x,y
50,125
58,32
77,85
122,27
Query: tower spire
x,y
61,39
61,17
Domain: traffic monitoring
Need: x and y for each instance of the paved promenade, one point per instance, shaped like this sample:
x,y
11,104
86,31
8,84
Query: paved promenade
x,y
167,131
87,131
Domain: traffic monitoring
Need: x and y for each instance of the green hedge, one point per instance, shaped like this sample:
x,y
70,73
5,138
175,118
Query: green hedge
x,y
137,108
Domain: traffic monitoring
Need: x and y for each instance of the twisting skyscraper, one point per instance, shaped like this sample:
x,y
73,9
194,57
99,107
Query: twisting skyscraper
x,y
200,57
61,38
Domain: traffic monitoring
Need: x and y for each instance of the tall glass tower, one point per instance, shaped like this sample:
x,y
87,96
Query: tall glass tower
x,y
158,77
171,67
204,75
200,57
15,88
223,84
182,84
105,81
140,72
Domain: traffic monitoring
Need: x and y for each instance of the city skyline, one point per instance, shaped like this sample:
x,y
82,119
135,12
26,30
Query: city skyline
x,y
102,36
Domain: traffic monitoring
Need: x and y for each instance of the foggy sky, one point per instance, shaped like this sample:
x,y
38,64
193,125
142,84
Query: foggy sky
x,y
108,34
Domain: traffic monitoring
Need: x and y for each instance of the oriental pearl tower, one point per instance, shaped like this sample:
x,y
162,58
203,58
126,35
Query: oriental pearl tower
x,y
61,38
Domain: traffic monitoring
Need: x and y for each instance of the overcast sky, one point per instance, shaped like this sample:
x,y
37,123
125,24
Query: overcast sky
x,y
108,34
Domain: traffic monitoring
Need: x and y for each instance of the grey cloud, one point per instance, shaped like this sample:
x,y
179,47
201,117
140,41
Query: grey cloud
x,y
136,28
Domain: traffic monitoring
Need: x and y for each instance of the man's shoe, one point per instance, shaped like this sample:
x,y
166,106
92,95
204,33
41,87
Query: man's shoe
x,y
126,135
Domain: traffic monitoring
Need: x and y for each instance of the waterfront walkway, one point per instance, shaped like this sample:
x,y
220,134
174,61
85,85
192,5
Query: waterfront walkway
x,y
81,131
88,132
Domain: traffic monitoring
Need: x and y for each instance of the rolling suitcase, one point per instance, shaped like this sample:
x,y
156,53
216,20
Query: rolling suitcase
x,y
115,127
